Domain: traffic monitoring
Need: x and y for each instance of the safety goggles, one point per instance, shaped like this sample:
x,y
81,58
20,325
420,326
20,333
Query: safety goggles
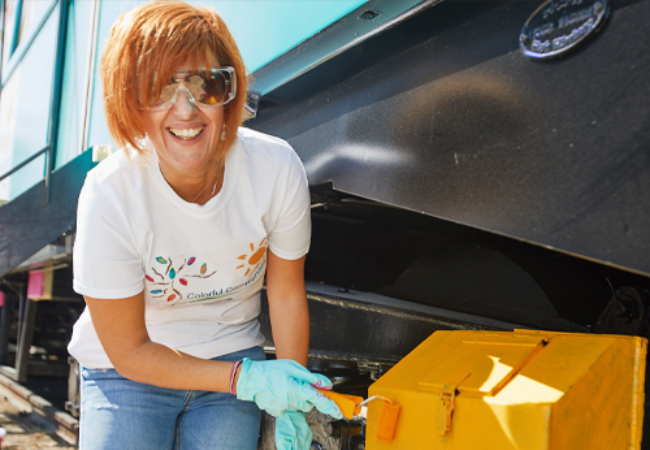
x,y
205,88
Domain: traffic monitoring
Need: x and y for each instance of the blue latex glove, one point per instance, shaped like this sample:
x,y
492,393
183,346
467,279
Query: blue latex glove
x,y
292,432
284,385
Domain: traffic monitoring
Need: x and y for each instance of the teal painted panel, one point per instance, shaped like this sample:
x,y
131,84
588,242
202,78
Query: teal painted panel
x,y
24,112
11,7
72,115
265,30
33,12
109,11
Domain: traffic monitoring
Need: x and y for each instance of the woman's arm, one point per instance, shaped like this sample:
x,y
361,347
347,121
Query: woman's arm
x,y
285,289
275,386
121,329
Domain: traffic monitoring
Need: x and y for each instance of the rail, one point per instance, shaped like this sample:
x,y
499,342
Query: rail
x,y
48,169
55,96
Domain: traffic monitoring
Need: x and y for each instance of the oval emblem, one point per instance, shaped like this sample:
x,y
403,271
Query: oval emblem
x,y
560,26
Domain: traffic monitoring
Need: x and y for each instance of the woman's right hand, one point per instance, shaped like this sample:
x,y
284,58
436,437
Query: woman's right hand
x,y
283,385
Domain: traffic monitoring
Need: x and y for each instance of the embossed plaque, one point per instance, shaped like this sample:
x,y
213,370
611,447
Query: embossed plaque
x,y
560,26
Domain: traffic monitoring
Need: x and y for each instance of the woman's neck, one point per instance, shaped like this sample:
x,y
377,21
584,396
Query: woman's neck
x,y
195,186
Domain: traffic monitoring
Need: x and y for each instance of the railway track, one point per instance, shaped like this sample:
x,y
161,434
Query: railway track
x,y
39,423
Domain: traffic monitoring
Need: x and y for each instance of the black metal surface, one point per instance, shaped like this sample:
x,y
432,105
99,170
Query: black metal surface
x,y
25,337
401,254
5,324
626,313
26,225
476,280
354,326
62,286
445,116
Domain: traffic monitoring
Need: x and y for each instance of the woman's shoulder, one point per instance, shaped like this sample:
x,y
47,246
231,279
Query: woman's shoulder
x,y
260,145
125,166
252,137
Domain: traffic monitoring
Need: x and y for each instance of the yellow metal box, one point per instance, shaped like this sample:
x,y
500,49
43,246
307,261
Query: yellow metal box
x,y
532,390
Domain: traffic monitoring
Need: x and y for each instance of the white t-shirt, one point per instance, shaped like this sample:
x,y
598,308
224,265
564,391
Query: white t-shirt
x,y
201,267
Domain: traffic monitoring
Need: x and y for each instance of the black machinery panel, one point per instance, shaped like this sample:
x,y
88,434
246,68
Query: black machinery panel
x,y
443,114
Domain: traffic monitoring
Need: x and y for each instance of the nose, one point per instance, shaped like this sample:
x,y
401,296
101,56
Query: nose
x,y
183,106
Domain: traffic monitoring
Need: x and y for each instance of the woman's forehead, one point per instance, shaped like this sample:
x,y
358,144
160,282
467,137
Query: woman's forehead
x,y
207,61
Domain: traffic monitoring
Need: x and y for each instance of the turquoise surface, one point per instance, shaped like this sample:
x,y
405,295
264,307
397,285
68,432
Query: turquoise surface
x,y
72,113
24,112
265,30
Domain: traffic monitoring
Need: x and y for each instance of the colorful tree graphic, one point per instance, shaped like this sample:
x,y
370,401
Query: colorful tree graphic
x,y
165,287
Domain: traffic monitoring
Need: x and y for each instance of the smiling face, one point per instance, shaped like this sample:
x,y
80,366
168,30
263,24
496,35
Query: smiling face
x,y
186,137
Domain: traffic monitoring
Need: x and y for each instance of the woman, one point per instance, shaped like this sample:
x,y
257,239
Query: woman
x,y
174,236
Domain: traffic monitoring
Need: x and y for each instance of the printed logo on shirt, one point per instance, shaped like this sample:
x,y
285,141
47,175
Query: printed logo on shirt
x,y
225,294
174,283
252,260
167,285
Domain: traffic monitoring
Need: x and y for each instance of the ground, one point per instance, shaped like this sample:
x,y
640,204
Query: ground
x,y
25,431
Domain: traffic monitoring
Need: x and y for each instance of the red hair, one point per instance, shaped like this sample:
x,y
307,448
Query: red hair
x,y
157,38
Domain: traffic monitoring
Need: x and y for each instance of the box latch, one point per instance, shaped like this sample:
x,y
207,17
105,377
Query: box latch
x,y
480,366
448,402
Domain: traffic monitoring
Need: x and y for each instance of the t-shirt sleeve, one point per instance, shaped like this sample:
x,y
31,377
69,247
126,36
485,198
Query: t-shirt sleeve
x,y
105,261
291,236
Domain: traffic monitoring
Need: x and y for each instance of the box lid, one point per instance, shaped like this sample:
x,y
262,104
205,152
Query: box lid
x,y
483,364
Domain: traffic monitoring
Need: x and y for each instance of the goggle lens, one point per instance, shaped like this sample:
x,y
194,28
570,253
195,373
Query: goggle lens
x,y
205,88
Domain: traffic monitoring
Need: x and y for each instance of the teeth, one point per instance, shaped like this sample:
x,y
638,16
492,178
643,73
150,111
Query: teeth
x,y
186,133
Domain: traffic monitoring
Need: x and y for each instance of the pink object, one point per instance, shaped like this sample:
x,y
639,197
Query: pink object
x,y
3,433
2,303
35,285
319,385
232,378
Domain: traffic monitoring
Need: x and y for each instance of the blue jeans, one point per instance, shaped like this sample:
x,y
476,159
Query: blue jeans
x,y
120,414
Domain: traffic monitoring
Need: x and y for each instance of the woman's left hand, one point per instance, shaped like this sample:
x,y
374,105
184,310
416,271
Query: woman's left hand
x,y
292,432
284,385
